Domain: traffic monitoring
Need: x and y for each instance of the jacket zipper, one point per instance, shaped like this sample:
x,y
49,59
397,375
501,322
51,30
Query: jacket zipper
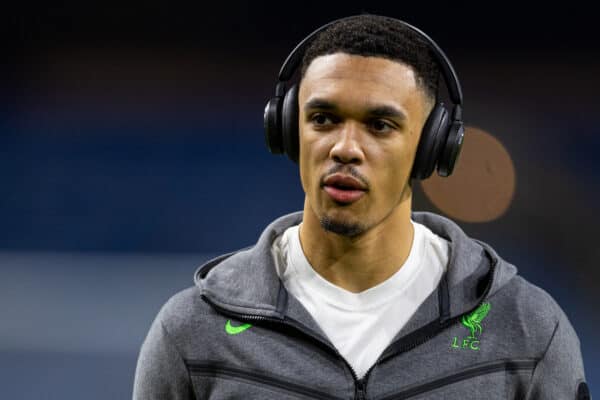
x,y
210,369
488,368
361,391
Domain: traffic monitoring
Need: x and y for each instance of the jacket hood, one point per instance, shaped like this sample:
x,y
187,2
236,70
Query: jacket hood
x,y
246,282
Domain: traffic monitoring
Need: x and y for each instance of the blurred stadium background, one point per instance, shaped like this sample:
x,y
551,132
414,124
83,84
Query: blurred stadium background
x,y
131,150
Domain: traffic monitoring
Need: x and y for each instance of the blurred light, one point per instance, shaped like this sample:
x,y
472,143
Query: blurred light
x,y
482,185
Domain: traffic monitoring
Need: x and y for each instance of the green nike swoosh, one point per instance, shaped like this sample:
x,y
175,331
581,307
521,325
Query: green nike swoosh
x,y
234,330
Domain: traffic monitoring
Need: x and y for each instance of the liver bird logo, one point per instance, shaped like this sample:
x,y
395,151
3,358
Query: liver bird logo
x,y
473,320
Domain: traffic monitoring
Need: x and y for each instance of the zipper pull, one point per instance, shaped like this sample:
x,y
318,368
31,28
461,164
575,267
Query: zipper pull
x,y
361,390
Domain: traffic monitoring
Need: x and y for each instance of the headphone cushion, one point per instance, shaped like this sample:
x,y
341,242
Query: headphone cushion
x,y
272,125
289,119
451,149
433,138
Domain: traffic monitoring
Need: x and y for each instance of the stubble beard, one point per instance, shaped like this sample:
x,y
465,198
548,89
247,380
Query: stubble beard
x,y
342,228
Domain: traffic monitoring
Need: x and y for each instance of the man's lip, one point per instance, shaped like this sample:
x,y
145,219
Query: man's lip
x,y
344,182
346,196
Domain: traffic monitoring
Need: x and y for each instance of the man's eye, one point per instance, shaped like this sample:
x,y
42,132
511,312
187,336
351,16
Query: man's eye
x,y
321,119
380,126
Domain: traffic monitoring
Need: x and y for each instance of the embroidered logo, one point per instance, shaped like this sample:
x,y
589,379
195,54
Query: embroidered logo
x,y
472,322
234,330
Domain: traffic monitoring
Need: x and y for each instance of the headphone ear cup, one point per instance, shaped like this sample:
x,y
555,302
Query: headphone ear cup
x,y
433,138
272,125
289,120
451,149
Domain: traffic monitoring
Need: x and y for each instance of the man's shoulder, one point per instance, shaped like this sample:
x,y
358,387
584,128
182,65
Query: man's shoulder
x,y
532,298
183,310
535,311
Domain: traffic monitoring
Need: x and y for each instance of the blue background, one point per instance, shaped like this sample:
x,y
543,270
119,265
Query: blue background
x,y
132,149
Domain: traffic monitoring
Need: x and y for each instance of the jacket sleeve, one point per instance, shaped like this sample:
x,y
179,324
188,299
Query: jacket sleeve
x,y
161,372
560,374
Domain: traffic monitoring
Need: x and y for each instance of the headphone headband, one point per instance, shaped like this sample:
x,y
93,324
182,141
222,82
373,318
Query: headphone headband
x,y
454,89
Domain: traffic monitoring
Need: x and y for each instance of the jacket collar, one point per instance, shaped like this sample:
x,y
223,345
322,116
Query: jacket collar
x,y
246,282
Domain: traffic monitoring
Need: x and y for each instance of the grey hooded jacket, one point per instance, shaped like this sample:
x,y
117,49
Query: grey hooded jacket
x,y
485,332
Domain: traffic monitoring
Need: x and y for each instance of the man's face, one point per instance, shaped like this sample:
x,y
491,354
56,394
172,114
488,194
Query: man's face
x,y
360,122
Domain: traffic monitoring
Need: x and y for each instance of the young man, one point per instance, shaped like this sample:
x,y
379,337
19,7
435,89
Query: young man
x,y
357,296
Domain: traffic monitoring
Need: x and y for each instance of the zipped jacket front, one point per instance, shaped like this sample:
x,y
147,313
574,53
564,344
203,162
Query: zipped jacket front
x,y
485,332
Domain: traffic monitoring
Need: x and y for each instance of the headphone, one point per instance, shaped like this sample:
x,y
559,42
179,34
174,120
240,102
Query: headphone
x,y
441,137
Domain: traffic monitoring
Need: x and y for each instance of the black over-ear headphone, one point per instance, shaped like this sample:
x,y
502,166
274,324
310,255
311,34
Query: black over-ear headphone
x,y
441,138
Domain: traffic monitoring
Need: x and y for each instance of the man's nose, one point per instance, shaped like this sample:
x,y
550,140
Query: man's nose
x,y
347,147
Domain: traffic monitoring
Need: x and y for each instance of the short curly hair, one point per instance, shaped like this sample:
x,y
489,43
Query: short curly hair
x,y
378,36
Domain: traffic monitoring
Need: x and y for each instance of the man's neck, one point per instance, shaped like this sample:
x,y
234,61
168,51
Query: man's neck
x,y
358,263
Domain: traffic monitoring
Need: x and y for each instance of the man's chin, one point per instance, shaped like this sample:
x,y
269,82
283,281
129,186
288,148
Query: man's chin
x,y
341,226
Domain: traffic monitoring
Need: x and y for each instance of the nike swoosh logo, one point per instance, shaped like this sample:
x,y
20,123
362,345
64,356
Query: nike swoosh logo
x,y
234,330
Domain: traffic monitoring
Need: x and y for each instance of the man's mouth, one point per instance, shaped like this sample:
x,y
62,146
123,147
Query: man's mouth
x,y
344,189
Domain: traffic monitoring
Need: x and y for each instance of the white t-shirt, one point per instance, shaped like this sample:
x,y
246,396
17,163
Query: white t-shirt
x,y
361,325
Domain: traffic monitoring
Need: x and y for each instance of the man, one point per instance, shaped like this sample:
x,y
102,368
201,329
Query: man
x,y
357,296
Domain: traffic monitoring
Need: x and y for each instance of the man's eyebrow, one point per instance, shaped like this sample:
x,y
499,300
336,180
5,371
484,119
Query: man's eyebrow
x,y
387,111
375,111
319,104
